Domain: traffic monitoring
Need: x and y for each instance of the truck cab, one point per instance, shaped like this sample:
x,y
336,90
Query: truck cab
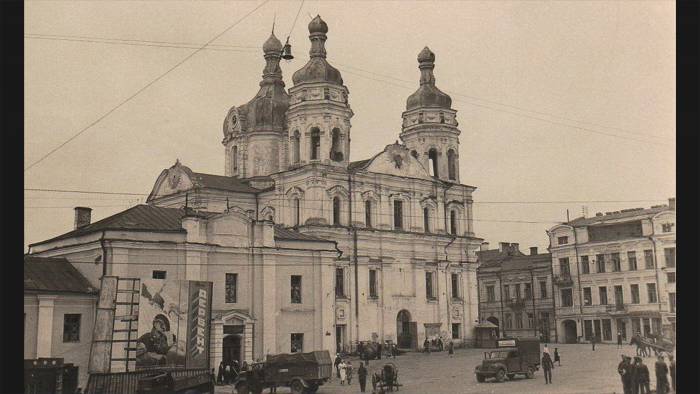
x,y
513,356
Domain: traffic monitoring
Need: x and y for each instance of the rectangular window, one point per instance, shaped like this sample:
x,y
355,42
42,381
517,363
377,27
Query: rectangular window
x,y
518,320
373,283
296,289
648,259
634,290
71,327
368,213
231,288
490,293
600,263
671,277
670,255
564,267
429,294
563,240
340,283
506,292
587,297
651,292
159,274
455,330
632,260
297,343
667,227
543,288
567,297
426,219
508,320
607,330
517,291
588,330
619,299
528,291
615,257
672,302
455,285
603,295
530,320
585,266
398,214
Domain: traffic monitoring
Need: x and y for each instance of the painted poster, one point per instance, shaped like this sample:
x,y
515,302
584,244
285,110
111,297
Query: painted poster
x,y
198,320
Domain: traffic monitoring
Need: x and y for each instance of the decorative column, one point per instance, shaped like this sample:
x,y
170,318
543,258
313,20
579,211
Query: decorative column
x,y
45,325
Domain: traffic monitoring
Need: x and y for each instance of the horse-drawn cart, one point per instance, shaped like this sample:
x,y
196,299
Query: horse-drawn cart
x,y
389,378
658,344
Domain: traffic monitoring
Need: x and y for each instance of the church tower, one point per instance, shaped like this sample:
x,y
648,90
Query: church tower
x,y
429,127
318,120
255,133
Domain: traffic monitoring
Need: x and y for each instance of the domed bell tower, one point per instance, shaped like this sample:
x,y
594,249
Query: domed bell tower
x,y
318,120
429,127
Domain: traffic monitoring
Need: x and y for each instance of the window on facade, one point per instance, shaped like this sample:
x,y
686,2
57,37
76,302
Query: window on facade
x,y
453,222
672,302
564,269
297,343
373,283
670,255
543,289
588,330
648,259
506,292
71,327
517,291
603,295
159,274
585,265
234,159
528,291
563,240
567,297
336,211
634,290
442,117
518,320
296,289
667,227
433,162
490,293
615,257
508,320
426,219
297,212
632,260
368,213
607,330
600,263
455,330
671,277
340,282
231,288
429,291
587,297
651,292
326,94
336,148
296,150
619,297
414,154
451,165
315,143
530,320
455,285
398,214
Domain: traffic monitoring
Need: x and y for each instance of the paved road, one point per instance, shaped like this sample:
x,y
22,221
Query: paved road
x,y
581,371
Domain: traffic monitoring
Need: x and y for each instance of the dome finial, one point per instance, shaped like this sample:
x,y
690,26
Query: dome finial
x,y
317,25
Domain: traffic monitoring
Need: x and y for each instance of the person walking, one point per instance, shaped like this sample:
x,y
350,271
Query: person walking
x,y
220,374
349,372
557,359
426,346
672,369
362,377
661,376
342,368
623,371
642,377
546,349
619,339
593,341
227,374
336,364
451,348
547,366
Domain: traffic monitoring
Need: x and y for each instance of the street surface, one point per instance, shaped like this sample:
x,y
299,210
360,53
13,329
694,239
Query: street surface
x,y
581,371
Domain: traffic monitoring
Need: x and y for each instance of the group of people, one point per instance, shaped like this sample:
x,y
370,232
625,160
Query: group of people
x,y
437,344
548,364
344,372
228,373
635,375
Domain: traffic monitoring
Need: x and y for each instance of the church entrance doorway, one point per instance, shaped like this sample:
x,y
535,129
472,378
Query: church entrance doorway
x,y
406,331
494,320
570,334
232,349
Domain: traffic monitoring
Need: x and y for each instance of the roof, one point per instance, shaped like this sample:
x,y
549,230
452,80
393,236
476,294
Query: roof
x,y
494,257
47,274
220,182
358,164
525,262
486,324
627,213
287,234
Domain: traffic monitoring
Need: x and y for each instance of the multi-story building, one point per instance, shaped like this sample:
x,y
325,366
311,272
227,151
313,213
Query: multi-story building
x,y
615,272
516,292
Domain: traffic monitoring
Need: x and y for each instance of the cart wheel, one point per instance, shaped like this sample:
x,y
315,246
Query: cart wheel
x,y
501,376
297,387
480,378
530,373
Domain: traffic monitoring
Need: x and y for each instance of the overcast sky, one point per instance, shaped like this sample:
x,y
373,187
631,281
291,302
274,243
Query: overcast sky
x,y
556,101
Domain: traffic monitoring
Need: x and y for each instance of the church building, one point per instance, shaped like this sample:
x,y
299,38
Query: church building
x,y
306,248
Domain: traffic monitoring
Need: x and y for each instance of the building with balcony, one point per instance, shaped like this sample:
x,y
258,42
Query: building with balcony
x,y
615,272
516,291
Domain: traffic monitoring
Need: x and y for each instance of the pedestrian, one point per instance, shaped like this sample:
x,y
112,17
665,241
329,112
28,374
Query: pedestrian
x,y
619,339
593,341
362,376
623,371
546,349
547,366
375,380
227,374
220,375
336,364
440,344
672,368
557,359
426,346
451,348
342,368
349,372
661,376
379,351
641,377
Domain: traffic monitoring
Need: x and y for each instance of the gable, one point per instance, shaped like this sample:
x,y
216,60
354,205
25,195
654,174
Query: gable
x,y
397,160
173,180
230,229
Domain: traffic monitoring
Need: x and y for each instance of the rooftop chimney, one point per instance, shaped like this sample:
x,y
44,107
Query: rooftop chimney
x,y
503,246
484,246
515,247
533,250
82,216
598,214
672,203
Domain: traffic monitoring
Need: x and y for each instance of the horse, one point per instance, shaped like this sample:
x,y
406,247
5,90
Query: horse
x,y
641,347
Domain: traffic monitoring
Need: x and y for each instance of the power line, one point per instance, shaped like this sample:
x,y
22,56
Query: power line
x,y
83,192
145,87
138,44
193,44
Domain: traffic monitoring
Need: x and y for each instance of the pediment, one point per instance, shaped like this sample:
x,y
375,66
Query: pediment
x,y
230,228
173,180
397,160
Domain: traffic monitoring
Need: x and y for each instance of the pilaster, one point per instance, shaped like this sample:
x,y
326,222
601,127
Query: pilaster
x,y
45,325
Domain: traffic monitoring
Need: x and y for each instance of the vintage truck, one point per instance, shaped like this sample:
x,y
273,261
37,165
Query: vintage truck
x,y
513,356
304,373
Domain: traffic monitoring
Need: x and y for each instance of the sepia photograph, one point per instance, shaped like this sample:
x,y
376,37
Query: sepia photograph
x,y
337,197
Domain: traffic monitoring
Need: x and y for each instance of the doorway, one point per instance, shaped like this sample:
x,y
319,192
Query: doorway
x,y
232,349
339,338
406,331
494,320
569,331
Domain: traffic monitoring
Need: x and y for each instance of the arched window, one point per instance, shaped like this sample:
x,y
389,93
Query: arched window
x,y
442,117
336,152
451,165
336,211
315,143
295,147
414,154
234,158
426,219
297,211
453,222
433,162
398,214
368,213
326,94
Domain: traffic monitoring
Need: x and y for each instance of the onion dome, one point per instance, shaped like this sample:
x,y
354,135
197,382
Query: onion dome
x,y
272,44
317,69
427,95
